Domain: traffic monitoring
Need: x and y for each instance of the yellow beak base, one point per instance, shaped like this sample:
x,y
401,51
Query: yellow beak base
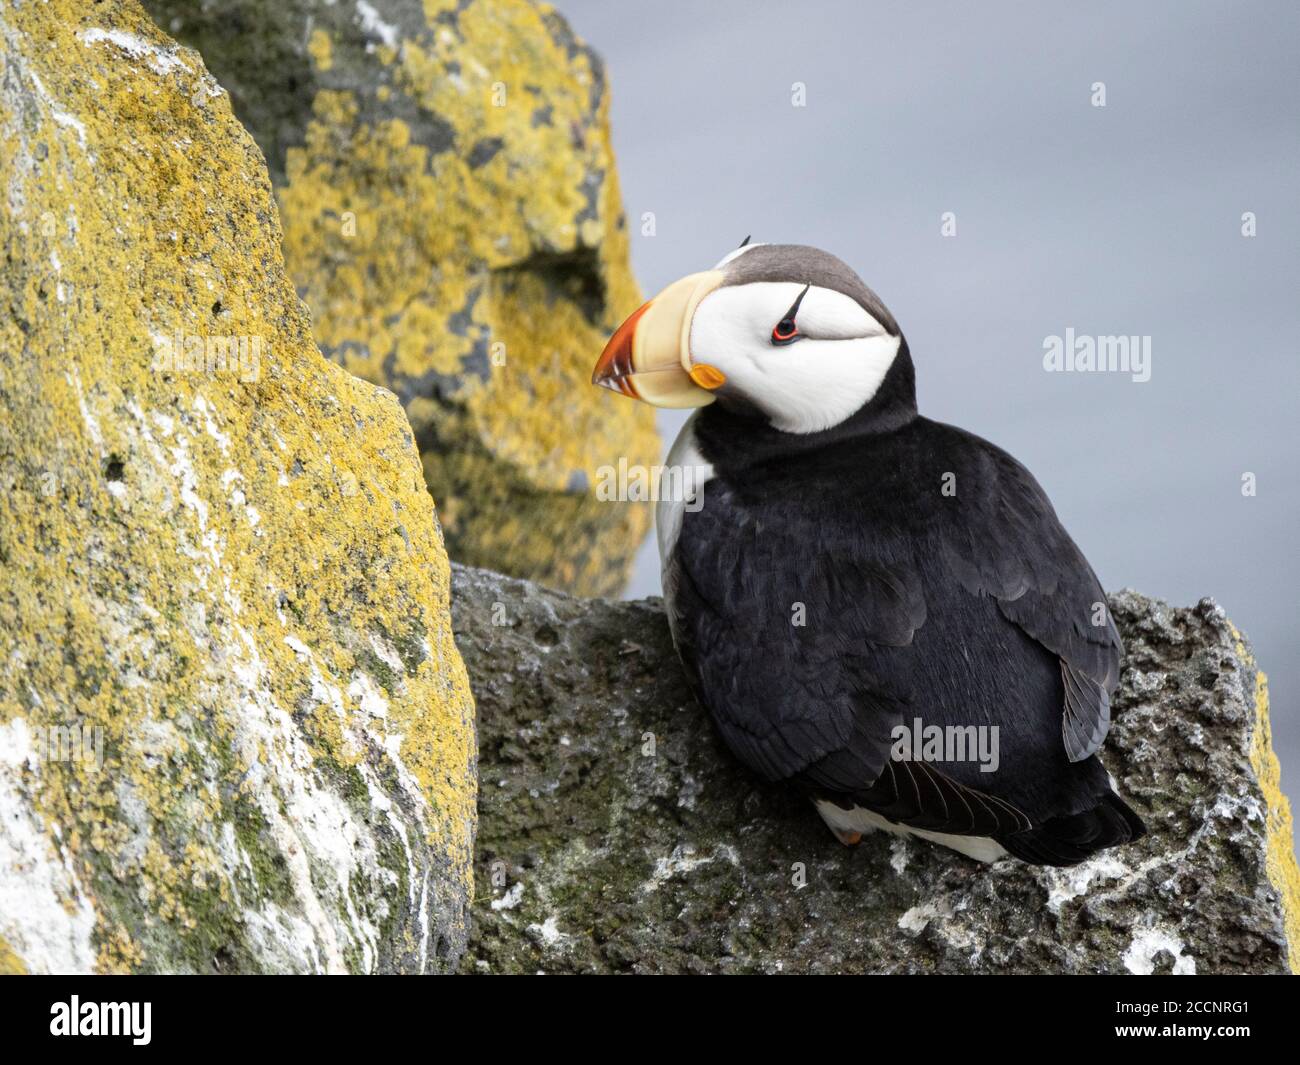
x,y
648,357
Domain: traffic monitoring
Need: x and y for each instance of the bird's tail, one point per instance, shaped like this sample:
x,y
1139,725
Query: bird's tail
x,y
1072,839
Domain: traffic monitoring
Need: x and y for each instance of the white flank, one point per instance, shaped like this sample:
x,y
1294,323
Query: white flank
x,y
981,848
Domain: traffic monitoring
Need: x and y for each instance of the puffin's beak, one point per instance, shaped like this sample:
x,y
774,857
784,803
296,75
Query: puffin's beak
x,y
648,357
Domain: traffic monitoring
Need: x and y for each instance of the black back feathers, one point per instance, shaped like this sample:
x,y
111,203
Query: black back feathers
x,y
971,609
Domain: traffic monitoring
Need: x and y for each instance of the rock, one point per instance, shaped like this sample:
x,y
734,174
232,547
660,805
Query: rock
x,y
452,217
616,835
235,733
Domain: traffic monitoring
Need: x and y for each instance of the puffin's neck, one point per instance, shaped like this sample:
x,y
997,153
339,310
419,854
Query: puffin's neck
x,y
734,439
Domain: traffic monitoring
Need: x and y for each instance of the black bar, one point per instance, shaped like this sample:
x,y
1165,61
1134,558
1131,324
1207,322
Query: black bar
x,y
261,1014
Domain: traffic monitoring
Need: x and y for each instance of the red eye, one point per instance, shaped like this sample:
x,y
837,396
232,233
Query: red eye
x,y
785,331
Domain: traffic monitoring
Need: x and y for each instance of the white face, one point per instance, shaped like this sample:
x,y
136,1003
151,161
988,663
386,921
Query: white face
x,y
836,364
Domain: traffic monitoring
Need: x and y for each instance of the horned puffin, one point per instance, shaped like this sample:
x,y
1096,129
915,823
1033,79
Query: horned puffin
x,y
846,570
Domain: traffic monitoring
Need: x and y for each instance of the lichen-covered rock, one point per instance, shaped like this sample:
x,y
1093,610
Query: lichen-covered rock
x,y
235,733
616,835
452,218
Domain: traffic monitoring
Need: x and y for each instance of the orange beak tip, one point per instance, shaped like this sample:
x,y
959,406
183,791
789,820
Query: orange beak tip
x,y
614,367
614,384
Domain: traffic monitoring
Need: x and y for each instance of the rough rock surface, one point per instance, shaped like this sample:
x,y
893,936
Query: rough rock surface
x,y
235,733
452,218
617,836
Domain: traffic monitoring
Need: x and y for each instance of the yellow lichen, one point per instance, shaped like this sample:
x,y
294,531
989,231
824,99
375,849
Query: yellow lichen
x,y
10,963
391,243
230,574
319,48
1281,863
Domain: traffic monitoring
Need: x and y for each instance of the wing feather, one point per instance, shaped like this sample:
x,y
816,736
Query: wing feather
x,y
1012,547
817,700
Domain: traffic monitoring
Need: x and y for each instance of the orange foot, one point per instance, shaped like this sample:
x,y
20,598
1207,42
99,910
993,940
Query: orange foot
x,y
849,839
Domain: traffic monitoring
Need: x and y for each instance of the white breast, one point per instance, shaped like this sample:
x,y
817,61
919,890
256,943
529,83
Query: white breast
x,y
692,471
670,510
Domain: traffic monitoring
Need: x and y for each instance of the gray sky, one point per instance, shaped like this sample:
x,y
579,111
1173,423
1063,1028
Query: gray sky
x,y
1117,220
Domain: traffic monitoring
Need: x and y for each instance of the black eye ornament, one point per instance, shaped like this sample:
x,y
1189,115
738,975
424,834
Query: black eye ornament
x,y
785,331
